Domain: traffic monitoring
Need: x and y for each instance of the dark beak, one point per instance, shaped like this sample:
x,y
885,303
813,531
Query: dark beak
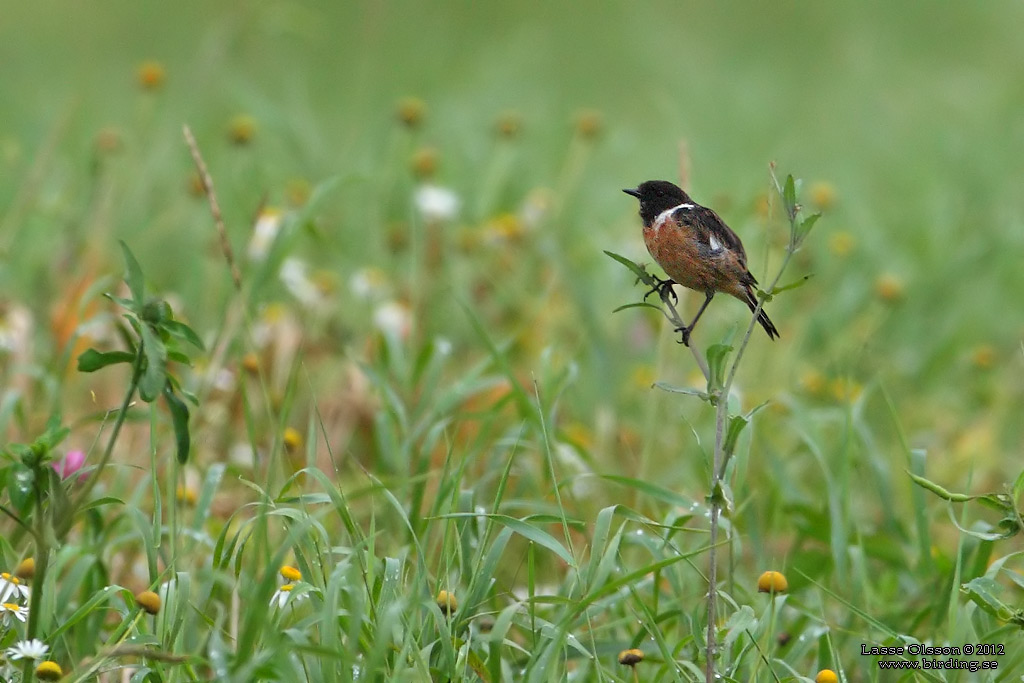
x,y
635,193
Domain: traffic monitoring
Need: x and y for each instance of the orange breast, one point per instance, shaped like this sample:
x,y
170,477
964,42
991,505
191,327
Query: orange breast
x,y
678,252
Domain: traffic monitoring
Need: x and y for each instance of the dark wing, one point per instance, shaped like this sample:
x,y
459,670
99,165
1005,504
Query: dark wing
x,y
709,224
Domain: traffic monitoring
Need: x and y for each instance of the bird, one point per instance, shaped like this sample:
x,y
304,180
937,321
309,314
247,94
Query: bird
x,y
696,249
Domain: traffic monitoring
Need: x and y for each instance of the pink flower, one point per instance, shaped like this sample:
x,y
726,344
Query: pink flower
x,y
69,464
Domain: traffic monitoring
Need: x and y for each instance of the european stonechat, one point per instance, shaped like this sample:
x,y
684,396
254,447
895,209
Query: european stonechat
x,y
695,248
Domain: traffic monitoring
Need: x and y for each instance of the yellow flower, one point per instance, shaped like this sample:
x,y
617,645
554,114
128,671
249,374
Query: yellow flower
x,y
844,389
241,129
579,434
589,124
251,363
27,568
984,356
447,602
291,573
151,74
509,124
642,376
772,582
149,601
812,382
108,140
826,676
297,190
631,657
49,671
411,111
889,287
823,195
841,243
505,227
20,613
762,206
292,440
424,162
186,494
11,586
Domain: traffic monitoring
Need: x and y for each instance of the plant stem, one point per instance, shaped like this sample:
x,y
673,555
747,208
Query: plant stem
x,y
83,495
42,557
719,464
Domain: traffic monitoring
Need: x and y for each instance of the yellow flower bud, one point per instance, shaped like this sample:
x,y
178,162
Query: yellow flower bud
x,y
149,601
772,582
49,671
447,602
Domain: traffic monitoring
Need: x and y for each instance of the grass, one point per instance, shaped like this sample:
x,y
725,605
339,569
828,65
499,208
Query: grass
x,y
455,408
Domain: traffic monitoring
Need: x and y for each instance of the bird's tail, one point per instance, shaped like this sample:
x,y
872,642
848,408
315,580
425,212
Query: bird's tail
x,y
762,317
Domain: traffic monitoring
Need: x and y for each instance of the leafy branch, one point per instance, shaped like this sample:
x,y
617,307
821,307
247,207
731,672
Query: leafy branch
x,y
719,374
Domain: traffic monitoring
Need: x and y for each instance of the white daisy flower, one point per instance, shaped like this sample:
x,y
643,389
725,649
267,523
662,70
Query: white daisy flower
x,y
268,224
34,649
435,203
287,594
11,586
368,283
393,319
295,277
20,613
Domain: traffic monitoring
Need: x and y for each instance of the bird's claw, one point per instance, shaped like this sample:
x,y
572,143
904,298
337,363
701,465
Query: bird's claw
x,y
684,333
664,289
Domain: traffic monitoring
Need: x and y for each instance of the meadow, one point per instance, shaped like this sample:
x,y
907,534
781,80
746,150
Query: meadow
x,y
356,403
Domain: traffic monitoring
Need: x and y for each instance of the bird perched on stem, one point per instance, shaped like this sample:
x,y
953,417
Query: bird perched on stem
x,y
696,249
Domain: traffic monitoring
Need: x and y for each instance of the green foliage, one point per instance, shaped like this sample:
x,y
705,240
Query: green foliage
x,y
159,338
451,406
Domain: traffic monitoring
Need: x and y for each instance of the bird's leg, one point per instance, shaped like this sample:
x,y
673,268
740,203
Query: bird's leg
x,y
663,288
685,331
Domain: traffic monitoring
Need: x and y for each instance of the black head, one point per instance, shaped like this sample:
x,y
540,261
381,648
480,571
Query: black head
x,y
656,196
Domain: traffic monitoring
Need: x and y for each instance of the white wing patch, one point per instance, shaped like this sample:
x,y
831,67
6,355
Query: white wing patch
x,y
715,244
667,213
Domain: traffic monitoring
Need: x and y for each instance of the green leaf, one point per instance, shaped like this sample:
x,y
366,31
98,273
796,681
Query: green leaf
x,y
740,621
178,357
526,530
717,354
996,501
155,375
702,395
641,304
640,272
19,486
808,223
123,303
737,423
179,417
792,285
54,434
1018,486
984,592
732,435
133,276
789,196
92,360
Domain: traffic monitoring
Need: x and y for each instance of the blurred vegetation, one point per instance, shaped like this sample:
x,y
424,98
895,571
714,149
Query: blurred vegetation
x,y
903,352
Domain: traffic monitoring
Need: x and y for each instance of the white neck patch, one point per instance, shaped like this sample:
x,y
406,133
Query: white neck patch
x,y
667,213
714,243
